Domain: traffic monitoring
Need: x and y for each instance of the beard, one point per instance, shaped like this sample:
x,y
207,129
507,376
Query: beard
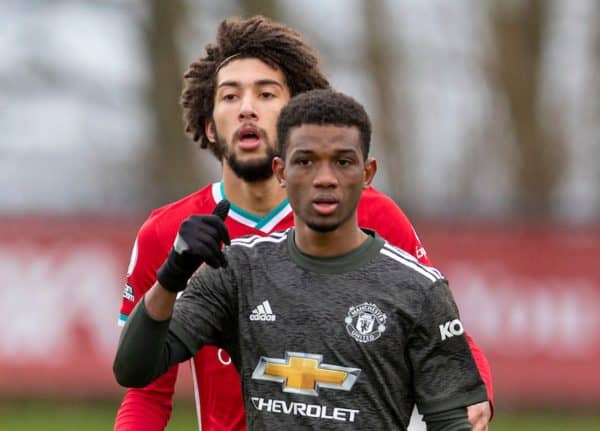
x,y
253,170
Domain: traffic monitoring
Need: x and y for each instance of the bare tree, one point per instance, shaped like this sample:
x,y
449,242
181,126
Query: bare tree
x,y
172,168
519,34
390,119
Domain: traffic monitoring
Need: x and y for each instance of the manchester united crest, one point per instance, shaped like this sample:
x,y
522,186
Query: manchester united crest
x,y
365,322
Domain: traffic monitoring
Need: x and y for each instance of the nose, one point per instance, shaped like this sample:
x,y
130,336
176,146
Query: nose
x,y
247,109
325,176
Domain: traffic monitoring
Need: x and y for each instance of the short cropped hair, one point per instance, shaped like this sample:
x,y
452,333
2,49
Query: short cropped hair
x,y
323,107
258,37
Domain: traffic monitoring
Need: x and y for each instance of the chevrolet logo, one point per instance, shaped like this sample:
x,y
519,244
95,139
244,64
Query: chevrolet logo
x,y
303,373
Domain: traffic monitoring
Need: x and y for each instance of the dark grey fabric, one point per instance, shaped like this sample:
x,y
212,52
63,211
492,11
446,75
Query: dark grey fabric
x,y
449,420
375,310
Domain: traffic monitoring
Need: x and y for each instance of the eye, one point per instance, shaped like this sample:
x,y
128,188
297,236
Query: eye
x,y
302,162
344,162
267,95
229,97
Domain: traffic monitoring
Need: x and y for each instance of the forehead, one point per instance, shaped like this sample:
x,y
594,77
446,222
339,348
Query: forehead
x,y
324,139
249,71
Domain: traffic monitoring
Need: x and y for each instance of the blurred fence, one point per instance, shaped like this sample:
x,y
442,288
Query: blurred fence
x,y
530,296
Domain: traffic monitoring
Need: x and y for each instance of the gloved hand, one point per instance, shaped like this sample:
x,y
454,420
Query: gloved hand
x,y
198,240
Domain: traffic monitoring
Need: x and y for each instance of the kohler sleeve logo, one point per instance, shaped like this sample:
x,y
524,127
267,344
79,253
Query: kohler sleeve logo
x,y
451,328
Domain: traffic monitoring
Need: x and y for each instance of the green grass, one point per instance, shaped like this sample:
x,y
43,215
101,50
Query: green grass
x,y
88,416
38,415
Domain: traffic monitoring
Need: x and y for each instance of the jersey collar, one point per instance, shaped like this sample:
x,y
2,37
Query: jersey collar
x,y
344,263
264,224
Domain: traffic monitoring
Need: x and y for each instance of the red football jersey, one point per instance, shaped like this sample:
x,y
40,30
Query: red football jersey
x,y
216,381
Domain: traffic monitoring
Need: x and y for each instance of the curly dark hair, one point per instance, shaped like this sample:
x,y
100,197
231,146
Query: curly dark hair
x,y
257,37
323,107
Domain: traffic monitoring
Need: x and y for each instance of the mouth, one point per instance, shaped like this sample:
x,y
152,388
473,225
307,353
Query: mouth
x,y
248,138
325,205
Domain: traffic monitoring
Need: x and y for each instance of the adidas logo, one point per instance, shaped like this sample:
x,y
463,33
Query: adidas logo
x,y
263,312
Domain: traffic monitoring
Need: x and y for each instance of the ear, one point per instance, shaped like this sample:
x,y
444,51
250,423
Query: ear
x,y
369,172
209,130
279,170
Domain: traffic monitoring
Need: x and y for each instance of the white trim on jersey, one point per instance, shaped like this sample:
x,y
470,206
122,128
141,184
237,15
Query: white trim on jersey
x,y
241,219
410,261
251,241
268,227
196,393
270,221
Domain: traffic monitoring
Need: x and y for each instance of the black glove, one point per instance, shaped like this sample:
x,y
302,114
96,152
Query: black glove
x,y
198,240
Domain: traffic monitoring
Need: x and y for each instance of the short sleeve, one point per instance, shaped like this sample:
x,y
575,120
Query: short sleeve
x,y
146,257
445,373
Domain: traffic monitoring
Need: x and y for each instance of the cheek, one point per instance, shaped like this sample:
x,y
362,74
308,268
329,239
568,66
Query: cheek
x,y
271,122
294,198
295,182
292,182
221,116
273,113
356,182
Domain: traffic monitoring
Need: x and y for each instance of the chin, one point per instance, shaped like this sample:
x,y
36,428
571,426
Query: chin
x,y
323,227
255,169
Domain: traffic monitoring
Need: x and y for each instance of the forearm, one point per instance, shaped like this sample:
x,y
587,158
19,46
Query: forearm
x,y
146,349
159,302
448,420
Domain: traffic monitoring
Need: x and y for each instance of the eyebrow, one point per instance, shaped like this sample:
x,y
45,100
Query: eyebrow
x,y
259,83
337,152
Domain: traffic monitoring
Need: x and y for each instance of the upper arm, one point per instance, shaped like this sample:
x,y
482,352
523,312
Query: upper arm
x,y
206,312
146,257
445,374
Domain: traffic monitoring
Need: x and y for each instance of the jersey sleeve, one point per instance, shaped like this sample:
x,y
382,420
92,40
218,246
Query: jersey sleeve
x,y
146,257
484,369
148,408
380,213
445,374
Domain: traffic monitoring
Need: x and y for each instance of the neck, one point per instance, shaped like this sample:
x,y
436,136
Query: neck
x,y
343,240
260,197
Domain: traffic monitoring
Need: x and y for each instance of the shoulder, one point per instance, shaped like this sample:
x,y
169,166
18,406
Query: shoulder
x,y
373,196
168,217
399,260
258,242
379,212
200,200
256,250
377,205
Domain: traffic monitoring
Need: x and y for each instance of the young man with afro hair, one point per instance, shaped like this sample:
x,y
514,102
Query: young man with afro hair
x,y
231,99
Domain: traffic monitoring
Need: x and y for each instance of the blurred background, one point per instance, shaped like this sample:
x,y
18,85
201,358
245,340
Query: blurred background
x,y
487,131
